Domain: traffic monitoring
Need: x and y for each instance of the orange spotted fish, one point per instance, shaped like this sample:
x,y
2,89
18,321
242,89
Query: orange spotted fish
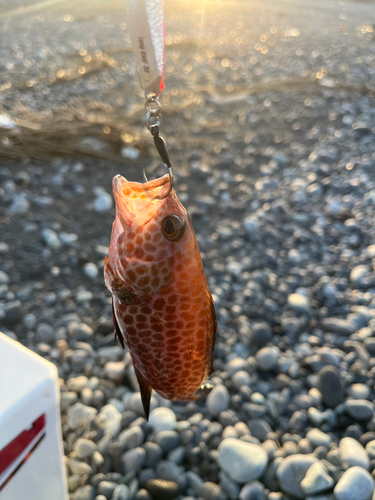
x,y
162,308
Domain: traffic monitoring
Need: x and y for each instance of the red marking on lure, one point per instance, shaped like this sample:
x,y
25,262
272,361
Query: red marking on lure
x,y
162,308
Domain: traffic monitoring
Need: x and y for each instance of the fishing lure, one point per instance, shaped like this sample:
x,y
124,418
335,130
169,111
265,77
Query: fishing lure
x,y
162,308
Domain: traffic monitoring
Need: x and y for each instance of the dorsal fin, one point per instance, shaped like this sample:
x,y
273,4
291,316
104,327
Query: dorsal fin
x,y
145,390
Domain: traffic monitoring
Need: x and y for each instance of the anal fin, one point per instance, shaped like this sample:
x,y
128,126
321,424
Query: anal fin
x,y
117,328
145,389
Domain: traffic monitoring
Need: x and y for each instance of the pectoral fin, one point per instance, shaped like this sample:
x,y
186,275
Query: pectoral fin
x,y
117,328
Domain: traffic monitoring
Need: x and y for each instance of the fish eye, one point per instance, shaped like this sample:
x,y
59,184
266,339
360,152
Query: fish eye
x,y
173,228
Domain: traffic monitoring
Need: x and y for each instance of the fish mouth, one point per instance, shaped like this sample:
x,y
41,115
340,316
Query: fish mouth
x,y
134,199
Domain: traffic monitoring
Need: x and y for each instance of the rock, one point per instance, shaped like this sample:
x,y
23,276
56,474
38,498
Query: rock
x,y
4,278
354,484
84,493
133,460
291,472
360,409
318,438
359,391
20,204
262,334
353,453
121,492
130,153
131,438
109,419
251,226
50,238
316,480
218,400
80,468
330,386
90,270
259,428
77,383
167,440
45,333
160,489
115,370
162,419
339,326
67,399
358,273
107,488
103,202
243,462
78,415
84,448
267,358
253,491
211,491
299,302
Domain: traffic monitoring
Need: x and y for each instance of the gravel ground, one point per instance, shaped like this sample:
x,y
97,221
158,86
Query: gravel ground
x,y
273,147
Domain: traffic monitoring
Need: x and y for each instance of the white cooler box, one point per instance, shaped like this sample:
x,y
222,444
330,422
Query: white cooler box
x,y
31,466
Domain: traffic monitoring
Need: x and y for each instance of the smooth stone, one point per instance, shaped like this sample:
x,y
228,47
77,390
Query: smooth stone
x,y
4,278
45,333
370,449
241,378
339,326
330,386
109,419
360,409
78,415
91,270
77,383
115,370
153,454
131,438
211,491
291,472
267,358
167,440
50,238
103,202
355,484
253,491
218,400
195,481
259,428
262,334
160,489
230,487
162,419
67,399
235,365
243,462
106,488
133,460
84,448
359,391
299,302
121,492
80,468
318,438
353,453
168,470
84,493
358,273
316,480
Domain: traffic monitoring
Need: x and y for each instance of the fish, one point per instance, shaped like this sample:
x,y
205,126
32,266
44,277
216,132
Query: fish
x,y
163,311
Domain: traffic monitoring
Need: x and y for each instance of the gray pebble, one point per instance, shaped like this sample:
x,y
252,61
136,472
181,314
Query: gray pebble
x,y
162,419
291,472
106,488
267,358
121,492
355,484
353,453
131,438
218,400
90,270
316,480
318,438
84,448
360,409
50,238
330,386
133,460
160,489
299,302
167,440
242,461
78,415
84,493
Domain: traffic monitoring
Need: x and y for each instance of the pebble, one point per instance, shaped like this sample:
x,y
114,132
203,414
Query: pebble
x,y
253,491
358,273
211,491
160,489
162,419
356,483
353,453
115,370
339,326
84,448
267,358
318,438
330,386
78,415
20,205
243,462
292,471
218,400
45,333
84,493
316,480
4,278
91,270
80,468
259,428
133,460
103,202
360,409
299,302
109,419
77,383
106,488
50,238
262,334
167,440
131,438
121,492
